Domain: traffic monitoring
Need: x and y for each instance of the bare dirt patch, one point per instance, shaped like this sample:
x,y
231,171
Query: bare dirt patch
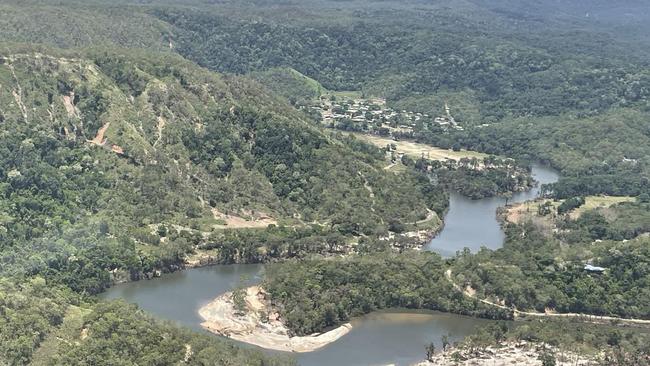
x,y
524,211
528,210
260,324
258,220
68,103
162,122
99,139
18,93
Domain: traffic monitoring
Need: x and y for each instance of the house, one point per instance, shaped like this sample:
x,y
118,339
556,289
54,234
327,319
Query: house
x,y
591,268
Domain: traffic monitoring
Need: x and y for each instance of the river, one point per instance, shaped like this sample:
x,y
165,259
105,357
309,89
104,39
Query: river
x,y
381,338
473,223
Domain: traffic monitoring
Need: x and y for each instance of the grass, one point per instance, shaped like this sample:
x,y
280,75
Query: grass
x,y
344,95
312,83
432,224
528,209
593,202
416,150
68,332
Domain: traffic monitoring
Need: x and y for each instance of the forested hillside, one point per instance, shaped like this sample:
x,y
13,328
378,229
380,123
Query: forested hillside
x,y
546,62
118,164
126,142
604,154
137,136
503,64
313,295
81,25
41,324
498,78
539,268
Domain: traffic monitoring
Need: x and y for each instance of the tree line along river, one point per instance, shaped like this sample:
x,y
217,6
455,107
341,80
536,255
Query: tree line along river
x,y
380,338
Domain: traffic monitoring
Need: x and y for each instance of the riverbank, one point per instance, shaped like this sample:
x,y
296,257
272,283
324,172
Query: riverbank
x,y
529,315
520,353
259,324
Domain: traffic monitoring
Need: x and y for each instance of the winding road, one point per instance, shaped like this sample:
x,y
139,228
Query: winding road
x,y
523,314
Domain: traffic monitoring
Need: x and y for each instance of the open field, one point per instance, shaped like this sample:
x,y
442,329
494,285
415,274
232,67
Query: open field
x,y
592,202
416,150
523,211
344,95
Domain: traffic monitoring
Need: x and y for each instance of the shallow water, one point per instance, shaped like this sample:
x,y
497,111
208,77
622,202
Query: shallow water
x,y
178,296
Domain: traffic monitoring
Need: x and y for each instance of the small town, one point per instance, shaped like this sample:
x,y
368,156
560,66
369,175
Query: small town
x,y
372,114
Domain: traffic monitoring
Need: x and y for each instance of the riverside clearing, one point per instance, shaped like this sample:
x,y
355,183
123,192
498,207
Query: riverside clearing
x,y
221,317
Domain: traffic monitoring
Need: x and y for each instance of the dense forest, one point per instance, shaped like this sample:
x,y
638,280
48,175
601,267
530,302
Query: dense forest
x,y
605,154
539,270
498,78
102,150
476,178
43,324
473,55
313,295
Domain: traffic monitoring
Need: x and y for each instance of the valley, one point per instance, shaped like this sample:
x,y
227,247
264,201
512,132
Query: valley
x,y
364,182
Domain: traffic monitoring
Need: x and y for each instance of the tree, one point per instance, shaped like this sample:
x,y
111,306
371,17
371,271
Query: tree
x,y
545,209
239,296
239,301
104,228
162,230
445,341
547,358
431,351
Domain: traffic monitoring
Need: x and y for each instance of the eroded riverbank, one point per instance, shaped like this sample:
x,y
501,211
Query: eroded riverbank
x,y
259,324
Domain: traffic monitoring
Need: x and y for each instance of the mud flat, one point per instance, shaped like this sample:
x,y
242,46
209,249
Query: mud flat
x,y
260,325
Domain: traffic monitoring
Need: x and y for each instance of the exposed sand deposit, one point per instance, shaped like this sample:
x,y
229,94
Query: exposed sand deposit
x,y
507,355
258,324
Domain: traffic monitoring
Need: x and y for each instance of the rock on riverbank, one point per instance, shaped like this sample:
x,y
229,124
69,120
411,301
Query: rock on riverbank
x,y
260,325
521,353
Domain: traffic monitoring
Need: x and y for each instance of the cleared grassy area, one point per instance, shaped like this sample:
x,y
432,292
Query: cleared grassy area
x,y
523,211
344,95
70,331
432,222
312,83
592,202
416,150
